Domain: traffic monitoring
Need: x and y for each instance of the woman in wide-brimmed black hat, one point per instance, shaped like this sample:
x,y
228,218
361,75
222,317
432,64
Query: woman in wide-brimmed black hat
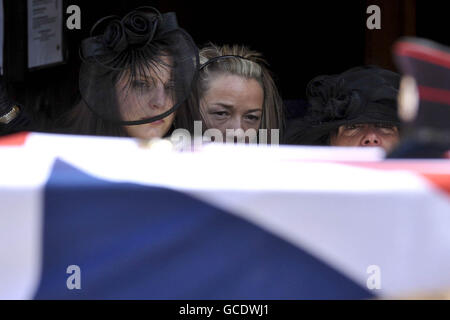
x,y
355,108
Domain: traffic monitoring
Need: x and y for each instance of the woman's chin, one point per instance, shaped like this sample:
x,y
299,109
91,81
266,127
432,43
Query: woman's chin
x,y
148,131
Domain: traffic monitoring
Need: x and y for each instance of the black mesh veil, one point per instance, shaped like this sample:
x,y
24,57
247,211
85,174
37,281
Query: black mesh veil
x,y
137,69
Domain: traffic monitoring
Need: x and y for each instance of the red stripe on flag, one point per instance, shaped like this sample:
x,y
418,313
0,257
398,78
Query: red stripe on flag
x,y
436,172
441,181
17,139
422,52
434,95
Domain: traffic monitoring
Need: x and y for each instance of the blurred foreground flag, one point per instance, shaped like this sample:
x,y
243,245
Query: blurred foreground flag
x,y
103,218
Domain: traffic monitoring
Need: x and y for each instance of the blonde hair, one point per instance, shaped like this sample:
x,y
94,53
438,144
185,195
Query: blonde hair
x,y
245,63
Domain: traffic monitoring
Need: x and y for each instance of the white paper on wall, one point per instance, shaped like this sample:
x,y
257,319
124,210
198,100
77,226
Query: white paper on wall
x,y
44,32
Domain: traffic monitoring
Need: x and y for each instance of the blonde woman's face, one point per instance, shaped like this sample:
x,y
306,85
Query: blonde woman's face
x,y
232,102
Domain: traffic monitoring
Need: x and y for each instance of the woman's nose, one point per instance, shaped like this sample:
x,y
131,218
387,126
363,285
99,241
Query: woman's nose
x,y
159,97
235,123
370,138
234,132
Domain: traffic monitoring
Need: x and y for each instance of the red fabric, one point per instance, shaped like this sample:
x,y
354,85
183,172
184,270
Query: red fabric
x,y
435,171
434,95
422,52
17,139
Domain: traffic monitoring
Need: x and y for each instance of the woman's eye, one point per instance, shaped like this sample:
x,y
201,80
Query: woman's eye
x,y
169,86
252,117
350,129
387,129
220,114
141,84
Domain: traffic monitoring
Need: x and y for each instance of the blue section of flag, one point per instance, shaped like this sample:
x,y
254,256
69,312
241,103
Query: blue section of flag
x,y
140,242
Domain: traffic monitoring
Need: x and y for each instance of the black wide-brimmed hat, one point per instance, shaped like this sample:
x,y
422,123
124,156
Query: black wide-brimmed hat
x,y
365,94
137,69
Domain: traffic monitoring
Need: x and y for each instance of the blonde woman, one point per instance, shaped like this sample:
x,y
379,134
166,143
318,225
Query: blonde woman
x,y
235,90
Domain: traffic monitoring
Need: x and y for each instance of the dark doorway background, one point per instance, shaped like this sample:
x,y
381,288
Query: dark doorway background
x,y
299,39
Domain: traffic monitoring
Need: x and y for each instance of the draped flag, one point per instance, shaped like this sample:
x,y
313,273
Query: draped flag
x,y
104,218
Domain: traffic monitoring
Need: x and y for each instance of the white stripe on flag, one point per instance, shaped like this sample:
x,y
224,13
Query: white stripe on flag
x,y
404,233
21,188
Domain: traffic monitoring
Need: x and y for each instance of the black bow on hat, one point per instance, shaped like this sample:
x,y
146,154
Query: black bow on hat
x,y
137,29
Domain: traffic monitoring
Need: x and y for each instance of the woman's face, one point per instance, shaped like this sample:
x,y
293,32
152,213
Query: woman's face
x,y
232,102
366,135
147,96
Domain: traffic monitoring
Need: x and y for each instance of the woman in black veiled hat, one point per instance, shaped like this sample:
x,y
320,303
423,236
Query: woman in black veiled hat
x,y
135,76
355,108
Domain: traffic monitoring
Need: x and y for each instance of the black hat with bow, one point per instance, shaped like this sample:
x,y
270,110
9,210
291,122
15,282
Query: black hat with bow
x,y
137,69
361,95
